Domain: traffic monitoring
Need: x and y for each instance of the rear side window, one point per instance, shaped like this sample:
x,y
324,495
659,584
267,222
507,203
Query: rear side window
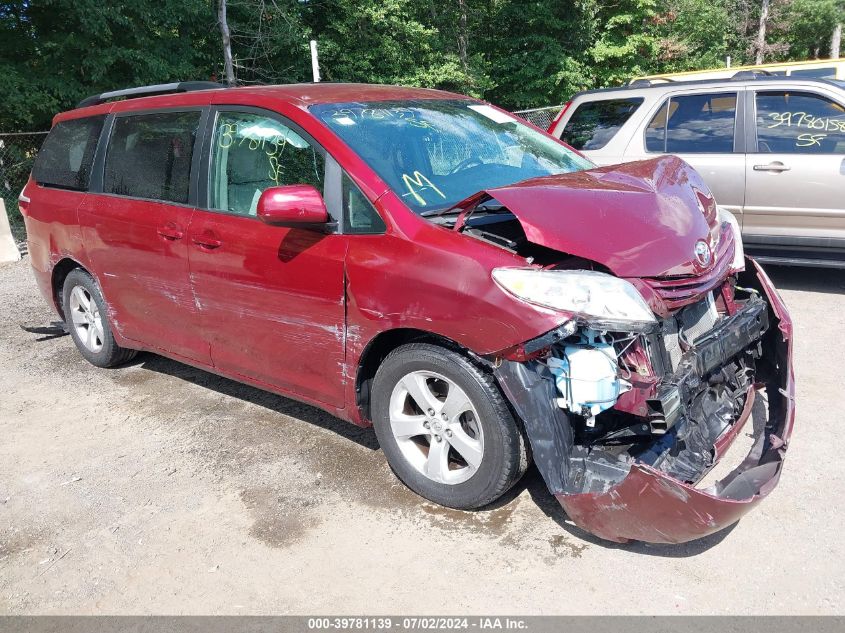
x,y
67,154
694,124
149,156
799,123
594,123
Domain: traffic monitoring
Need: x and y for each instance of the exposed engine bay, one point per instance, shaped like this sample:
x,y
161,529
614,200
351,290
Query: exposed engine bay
x,y
626,398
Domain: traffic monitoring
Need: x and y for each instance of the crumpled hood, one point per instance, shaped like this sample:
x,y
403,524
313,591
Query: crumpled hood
x,y
639,219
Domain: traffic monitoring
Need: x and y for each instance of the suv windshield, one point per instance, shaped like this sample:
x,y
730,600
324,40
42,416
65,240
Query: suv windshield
x,y
435,153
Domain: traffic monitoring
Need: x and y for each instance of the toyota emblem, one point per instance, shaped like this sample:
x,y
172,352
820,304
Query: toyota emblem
x,y
702,253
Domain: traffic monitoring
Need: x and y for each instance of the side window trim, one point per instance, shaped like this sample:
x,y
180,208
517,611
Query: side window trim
x,y
99,166
751,123
740,121
204,164
333,192
101,154
738,137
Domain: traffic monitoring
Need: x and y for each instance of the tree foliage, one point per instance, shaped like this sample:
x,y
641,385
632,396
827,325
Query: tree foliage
x,y
518,53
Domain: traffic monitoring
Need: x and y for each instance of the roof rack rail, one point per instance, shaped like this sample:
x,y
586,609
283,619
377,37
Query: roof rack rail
x,y
751,74
645,83
148,91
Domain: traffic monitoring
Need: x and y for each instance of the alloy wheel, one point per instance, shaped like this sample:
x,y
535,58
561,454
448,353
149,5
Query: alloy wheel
x,y
436,427
86,319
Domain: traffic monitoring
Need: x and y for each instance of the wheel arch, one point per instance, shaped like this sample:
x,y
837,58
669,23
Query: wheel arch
x,y
59,273
377,350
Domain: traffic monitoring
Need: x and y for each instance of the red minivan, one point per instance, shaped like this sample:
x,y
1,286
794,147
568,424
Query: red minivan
x,y
428,264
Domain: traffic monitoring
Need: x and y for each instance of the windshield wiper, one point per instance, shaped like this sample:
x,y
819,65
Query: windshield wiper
x,y
443,211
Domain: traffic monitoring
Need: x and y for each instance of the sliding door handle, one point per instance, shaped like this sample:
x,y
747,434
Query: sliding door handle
x,y
776,166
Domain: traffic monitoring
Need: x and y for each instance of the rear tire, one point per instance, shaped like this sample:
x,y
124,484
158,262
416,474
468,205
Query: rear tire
x,y
86,317
427,398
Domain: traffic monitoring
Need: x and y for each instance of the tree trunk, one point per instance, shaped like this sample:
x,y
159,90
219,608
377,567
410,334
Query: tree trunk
x,y
227,42
462,34
760,44
836,41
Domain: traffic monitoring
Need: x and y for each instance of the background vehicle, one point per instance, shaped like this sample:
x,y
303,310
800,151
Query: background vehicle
x,y
815,68
428,264
772,149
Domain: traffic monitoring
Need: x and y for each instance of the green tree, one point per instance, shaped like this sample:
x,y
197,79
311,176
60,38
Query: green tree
x,y
55,52
627,42
537,52
808,26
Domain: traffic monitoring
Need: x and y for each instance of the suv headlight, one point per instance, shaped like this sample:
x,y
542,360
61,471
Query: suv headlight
x,y
602,301
723,215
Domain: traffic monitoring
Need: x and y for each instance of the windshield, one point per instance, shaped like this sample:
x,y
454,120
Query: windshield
x,y
435,153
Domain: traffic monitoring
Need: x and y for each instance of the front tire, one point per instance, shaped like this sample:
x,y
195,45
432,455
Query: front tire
x,y
445,427
86,316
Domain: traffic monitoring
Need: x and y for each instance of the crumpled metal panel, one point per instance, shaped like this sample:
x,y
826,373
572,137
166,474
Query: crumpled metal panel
x,y
649,505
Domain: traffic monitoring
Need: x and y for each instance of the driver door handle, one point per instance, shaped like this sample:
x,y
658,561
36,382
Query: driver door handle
x,y
776,166
207,240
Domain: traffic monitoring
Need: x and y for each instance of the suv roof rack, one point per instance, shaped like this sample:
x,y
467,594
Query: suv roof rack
x,y
148,91
645,83
751,74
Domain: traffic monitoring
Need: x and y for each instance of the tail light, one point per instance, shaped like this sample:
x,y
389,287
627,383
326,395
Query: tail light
x,y
23,201
557,119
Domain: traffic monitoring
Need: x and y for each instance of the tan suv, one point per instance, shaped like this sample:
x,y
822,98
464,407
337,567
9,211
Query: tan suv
x,y
772,149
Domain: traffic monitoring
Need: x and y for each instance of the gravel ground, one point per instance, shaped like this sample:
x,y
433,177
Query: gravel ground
x,y
158,488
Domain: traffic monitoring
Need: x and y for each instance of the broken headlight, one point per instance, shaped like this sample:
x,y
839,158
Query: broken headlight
x,y
603,301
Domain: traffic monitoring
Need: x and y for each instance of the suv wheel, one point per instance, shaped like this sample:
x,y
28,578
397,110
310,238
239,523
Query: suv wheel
x,y
445,428
87,320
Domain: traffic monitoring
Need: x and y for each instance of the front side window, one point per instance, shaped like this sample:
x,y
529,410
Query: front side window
x,y
67,154
149,156
594,123
359,215
435,153
251,152
694,124
799,123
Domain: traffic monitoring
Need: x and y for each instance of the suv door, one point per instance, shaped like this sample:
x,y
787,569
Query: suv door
x,y
795,170
134,224
271,298
705,130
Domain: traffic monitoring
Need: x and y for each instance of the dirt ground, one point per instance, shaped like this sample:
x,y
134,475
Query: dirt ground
x,y
158,488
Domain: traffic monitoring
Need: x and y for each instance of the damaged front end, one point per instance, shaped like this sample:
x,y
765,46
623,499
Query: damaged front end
x,y
623,425
669,337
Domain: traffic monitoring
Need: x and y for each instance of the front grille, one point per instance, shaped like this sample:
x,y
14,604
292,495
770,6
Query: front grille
x,y
677,292
699,318
688,325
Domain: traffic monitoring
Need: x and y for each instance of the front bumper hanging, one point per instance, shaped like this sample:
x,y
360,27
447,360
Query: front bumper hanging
x,y
648,504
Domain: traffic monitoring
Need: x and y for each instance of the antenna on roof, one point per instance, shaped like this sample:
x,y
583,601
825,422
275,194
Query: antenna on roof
x,y
149,91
